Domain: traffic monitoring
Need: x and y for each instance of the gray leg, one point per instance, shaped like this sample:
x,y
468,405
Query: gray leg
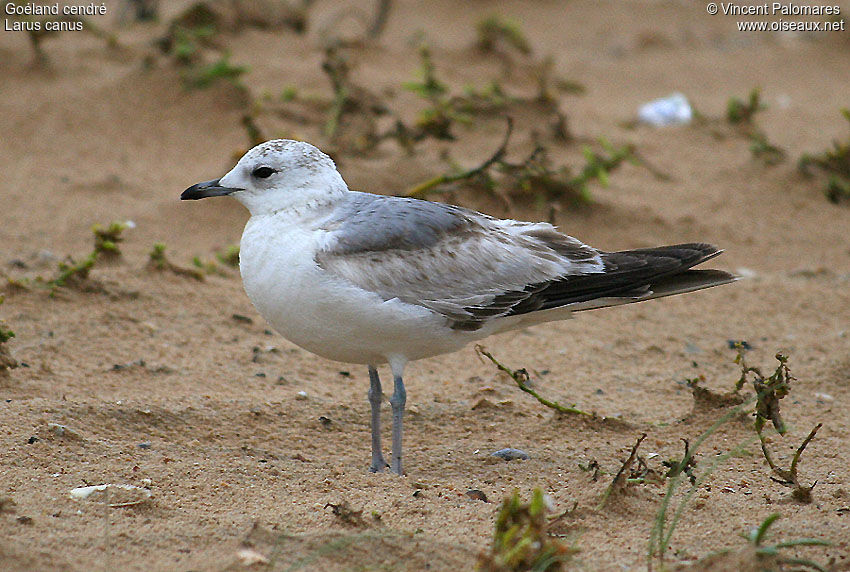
x,y
375,398
397,401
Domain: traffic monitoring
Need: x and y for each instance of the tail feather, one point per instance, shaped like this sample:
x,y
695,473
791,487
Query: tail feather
x,y
630,276
688,281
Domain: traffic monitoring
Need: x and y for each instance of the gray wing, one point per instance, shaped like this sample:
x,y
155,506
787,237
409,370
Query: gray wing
x,y
471,268
459,263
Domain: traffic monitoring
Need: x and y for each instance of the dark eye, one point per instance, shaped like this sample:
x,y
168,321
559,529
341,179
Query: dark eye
x,y
263,172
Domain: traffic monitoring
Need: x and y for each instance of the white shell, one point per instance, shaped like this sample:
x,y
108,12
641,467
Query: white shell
x,y
114,495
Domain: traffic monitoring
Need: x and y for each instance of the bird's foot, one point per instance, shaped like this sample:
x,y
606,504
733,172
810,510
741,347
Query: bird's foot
x,y
378,465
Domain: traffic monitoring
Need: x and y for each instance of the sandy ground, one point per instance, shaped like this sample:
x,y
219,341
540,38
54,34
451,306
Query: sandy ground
x,y
176,385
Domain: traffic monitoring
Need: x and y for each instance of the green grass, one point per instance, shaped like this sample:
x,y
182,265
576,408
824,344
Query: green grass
x,y
739,111
521,542
834,163
107,238
495,31
202,76
5,333
158,261
757,536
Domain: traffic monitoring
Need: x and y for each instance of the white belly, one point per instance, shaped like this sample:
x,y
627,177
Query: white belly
x,y
326,315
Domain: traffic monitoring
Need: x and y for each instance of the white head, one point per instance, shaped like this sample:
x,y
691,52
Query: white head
x,y
277,175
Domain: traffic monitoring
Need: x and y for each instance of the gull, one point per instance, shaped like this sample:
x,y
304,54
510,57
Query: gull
x,y
374,279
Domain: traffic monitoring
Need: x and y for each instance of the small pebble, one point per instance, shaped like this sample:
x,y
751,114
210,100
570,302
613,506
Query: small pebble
x,y
301,395
510,454
249,557
32,439
63,431
692,348
475,494
114,495
145,445
825,397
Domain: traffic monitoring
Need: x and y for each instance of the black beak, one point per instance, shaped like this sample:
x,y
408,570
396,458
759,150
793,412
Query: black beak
x,y
206,189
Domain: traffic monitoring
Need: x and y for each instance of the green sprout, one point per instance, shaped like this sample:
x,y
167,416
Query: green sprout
x,y
739,111
229,256
5,334
106,239
521,378
496,30
73,272
159,262
437,119
771,556
206,75
520,540
835,164
7,362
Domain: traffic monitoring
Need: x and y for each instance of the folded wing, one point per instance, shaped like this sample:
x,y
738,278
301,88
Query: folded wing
x,y
472,268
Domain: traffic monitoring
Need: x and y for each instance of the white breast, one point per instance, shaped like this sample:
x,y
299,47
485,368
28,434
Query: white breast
x,y
325,314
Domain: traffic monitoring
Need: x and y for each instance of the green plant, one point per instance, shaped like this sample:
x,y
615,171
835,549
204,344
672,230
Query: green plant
x,y
669,513
772,556
622,476
156,257
289,93
490,98
494,31
188,41
428,86
835,164
544,76
742,114
521,378
520,540
536,174
158,261
229,256
106,239
739,111
769,392
437,119
202,76
336,68
352,113
422,189
5,334
7,362
763,149
598,165
73,272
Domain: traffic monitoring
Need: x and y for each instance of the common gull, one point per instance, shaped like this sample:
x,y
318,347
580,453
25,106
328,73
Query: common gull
x,y
374,279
